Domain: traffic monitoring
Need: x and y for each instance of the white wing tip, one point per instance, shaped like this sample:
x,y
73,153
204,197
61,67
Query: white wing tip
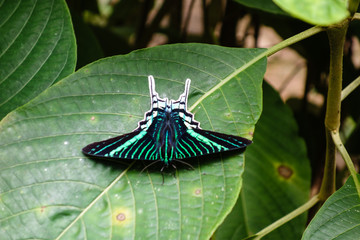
x,y
151,85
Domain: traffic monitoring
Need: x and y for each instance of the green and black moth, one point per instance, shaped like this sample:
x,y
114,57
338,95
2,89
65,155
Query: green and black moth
x,y
168,133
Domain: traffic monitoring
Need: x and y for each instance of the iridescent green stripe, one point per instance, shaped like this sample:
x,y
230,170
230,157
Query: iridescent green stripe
x,y
227,141
132,156
133,145
207,150
205,140
166,145
149,151
152,156
143,150
109,145
184,149
189,147
195,146
177,155
172,153
127,143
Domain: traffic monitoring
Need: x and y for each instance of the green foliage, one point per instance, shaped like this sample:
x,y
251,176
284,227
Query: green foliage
x,y
317,12
339,217
50,190
37,49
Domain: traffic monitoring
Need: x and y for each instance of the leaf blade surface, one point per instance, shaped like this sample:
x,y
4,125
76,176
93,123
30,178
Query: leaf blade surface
x,y
108,98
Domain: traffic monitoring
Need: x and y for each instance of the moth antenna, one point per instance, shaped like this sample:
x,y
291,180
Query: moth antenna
x,y
149,165
174,176
162,174
185,163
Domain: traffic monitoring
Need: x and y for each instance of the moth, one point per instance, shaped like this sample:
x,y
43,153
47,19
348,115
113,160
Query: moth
x,y
168,133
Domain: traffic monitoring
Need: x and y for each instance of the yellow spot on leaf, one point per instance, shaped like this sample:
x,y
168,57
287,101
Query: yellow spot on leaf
x,y
121,216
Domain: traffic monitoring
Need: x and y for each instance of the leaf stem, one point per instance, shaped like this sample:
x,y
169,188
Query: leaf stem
x,y
349,88
306,206
340,146
296,38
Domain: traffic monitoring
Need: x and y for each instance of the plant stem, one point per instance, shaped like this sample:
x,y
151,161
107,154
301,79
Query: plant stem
x,y
349,88
328,181
336,36
340,146
306,206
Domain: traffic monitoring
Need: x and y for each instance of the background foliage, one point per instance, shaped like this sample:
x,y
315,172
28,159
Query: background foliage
x,y
63,86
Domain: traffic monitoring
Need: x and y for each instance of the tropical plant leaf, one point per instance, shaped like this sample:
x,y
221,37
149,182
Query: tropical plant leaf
x,y
339,217
51,191
276,178
317,12
37,48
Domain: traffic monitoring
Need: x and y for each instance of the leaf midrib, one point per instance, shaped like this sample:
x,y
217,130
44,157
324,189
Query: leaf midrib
x,y
94,201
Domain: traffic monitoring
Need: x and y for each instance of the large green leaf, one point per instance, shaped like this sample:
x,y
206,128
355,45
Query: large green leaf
x,y
317,12
339,217
37,48
50,190
276,179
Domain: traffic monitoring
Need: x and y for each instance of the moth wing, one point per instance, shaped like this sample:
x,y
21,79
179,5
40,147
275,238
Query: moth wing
x,y
197,142
137,145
